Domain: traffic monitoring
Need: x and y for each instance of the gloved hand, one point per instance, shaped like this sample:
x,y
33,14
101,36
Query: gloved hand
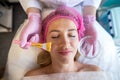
x,y
31,30
89,26
89,43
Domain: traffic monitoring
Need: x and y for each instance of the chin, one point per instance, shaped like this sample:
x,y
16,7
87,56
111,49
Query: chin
x,y
67,59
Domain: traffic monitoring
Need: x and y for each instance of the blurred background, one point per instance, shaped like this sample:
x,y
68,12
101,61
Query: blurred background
x,y
12,16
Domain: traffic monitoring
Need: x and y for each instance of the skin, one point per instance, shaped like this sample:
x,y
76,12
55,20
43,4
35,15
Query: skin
x,y
64,37
32,9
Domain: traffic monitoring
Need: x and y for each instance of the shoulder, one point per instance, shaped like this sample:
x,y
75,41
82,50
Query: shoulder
x,y
89,67
32,72
37,71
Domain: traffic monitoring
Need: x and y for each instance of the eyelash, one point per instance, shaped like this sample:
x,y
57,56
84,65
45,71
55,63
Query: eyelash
x,y
68,35
55,37
72,36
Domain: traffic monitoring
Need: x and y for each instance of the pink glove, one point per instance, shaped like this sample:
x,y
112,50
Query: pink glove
x,y
89,26
91,35
31,30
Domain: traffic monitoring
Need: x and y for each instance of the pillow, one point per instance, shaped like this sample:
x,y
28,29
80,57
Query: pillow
x,y
20,60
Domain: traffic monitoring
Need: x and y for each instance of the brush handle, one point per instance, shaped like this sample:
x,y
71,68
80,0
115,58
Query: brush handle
x,y
45,46
18,42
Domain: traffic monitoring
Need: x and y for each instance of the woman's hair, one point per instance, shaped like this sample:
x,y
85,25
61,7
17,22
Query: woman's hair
x,y
44,57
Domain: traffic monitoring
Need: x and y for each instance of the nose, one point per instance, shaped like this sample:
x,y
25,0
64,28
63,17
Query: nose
x,y
65,42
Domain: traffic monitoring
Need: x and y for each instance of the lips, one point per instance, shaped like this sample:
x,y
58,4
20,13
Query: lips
x,y
64,52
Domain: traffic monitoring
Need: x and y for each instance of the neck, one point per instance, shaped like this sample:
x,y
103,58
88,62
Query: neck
x,y
66,67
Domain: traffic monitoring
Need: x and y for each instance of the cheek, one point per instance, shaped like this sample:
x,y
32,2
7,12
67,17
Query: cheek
x,y
54,47
75,44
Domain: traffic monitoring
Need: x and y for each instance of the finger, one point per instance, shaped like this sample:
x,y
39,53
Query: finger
x,y
94,48
23,40
27,46
37,38
32,39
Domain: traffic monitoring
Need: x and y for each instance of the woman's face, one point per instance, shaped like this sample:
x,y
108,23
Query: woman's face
x,y
63,35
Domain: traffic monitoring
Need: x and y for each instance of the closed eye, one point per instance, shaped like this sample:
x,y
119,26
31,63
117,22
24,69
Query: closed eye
x,y
55,37
72,36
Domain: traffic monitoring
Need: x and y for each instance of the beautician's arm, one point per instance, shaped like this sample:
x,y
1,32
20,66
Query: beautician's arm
x,y
31,30
90,7
34,10
26,4
89,10
89,16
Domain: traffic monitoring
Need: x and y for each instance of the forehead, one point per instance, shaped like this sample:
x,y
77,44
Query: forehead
x,y
62,23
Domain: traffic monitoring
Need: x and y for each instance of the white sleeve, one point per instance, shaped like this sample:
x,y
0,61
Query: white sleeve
x,y
94,3
30,3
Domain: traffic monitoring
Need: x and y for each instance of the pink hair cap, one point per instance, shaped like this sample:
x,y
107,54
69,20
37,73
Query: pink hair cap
x,y
64,12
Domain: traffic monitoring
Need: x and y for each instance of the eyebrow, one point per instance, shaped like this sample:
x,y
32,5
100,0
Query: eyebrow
x,y
72,30
59,31
54,31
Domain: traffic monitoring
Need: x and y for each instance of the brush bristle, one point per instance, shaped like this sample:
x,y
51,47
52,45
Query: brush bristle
x,y
48,46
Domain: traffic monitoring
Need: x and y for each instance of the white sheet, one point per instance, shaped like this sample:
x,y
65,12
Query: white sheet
x,y
72,76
